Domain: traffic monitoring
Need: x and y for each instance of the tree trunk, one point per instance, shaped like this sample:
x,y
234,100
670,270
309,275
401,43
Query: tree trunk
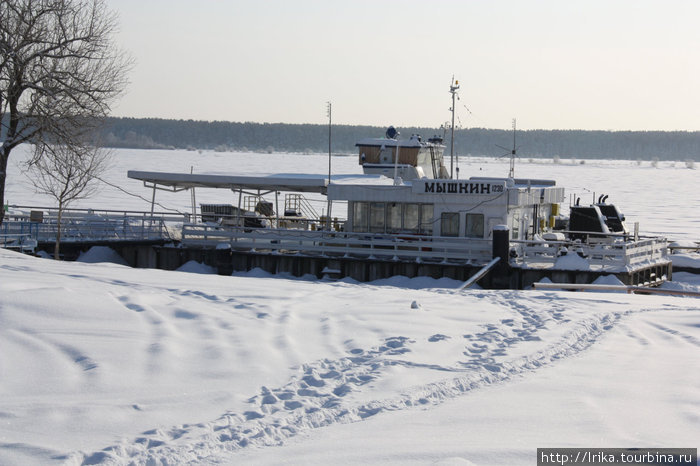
x,y
4,156
57,247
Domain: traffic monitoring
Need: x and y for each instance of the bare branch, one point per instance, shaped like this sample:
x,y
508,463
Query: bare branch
x,y
60,72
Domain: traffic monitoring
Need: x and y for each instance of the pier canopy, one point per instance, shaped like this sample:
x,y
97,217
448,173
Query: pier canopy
x,y
178,181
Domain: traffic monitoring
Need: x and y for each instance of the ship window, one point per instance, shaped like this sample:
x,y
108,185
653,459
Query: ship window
x,y
411,215
393,217
376,217
360,216
449,224
426,219
475,226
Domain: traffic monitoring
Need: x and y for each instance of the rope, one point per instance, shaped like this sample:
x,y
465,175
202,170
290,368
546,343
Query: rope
x,y
139,196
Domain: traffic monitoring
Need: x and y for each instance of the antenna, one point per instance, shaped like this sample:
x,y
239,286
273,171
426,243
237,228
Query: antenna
x,y
329,108
512,152
453,90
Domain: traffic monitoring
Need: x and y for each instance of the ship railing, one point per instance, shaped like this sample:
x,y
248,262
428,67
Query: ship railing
x,y
91,225
23,239
380,246
619,252
298,203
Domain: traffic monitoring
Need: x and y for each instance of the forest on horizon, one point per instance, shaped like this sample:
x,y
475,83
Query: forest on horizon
x,y
155,133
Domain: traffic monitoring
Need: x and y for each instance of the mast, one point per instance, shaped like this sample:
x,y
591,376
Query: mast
x,y
453,90
511,174
330,203
329,141
512,152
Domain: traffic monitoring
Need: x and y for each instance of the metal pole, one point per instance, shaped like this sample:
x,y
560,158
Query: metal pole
x,y
330,206
329,142
452,138
194,202
194,206
238,212
511,173
153,203
277,209
330,108
453,91
153,200
396,161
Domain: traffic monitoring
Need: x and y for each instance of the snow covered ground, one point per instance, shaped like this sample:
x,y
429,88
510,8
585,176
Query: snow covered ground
x,y
103,364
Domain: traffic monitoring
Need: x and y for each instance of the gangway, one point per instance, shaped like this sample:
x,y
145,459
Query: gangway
x,y
88,225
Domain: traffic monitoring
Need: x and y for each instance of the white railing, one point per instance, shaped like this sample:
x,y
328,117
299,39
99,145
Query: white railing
x,y
90,225
21,236
620,253
123,228
24,242
341,244
612,255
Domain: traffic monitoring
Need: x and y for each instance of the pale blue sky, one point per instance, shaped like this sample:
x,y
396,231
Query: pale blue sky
x,y
551,64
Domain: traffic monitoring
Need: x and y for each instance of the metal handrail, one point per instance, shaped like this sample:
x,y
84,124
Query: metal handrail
x,y
23,236
623,253
92,225
175,217
325,242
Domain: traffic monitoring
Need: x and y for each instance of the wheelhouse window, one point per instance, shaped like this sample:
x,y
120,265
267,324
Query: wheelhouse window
x,y
474,226
426,219
393,217
411,218
377,219
449,224
360,216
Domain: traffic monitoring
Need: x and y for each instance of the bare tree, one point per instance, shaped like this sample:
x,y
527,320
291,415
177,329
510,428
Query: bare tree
x,y
66,173
59,73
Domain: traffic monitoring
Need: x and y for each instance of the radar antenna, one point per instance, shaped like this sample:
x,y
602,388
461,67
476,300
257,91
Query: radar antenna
x,y
512,152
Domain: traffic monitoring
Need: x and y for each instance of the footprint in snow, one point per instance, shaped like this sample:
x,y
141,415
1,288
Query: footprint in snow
x,y
313,381
438,337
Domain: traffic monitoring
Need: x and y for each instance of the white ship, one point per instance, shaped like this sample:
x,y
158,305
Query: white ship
x,y
405,215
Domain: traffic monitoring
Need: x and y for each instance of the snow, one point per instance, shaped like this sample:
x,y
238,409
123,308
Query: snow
x,y
133,365
684,244
104,364
196,267
686,260
571,261
608,280
614,393
97,254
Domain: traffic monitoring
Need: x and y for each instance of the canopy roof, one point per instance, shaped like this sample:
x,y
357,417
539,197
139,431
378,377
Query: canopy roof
x,y
300,183
379,142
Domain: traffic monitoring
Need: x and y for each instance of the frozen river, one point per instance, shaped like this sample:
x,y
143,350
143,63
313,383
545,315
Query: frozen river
x,y
662,197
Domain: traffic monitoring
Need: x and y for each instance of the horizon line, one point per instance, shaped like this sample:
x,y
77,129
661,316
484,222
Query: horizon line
x,y
408,126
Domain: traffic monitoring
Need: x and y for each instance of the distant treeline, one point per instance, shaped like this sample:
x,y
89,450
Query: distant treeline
x,y
153,133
